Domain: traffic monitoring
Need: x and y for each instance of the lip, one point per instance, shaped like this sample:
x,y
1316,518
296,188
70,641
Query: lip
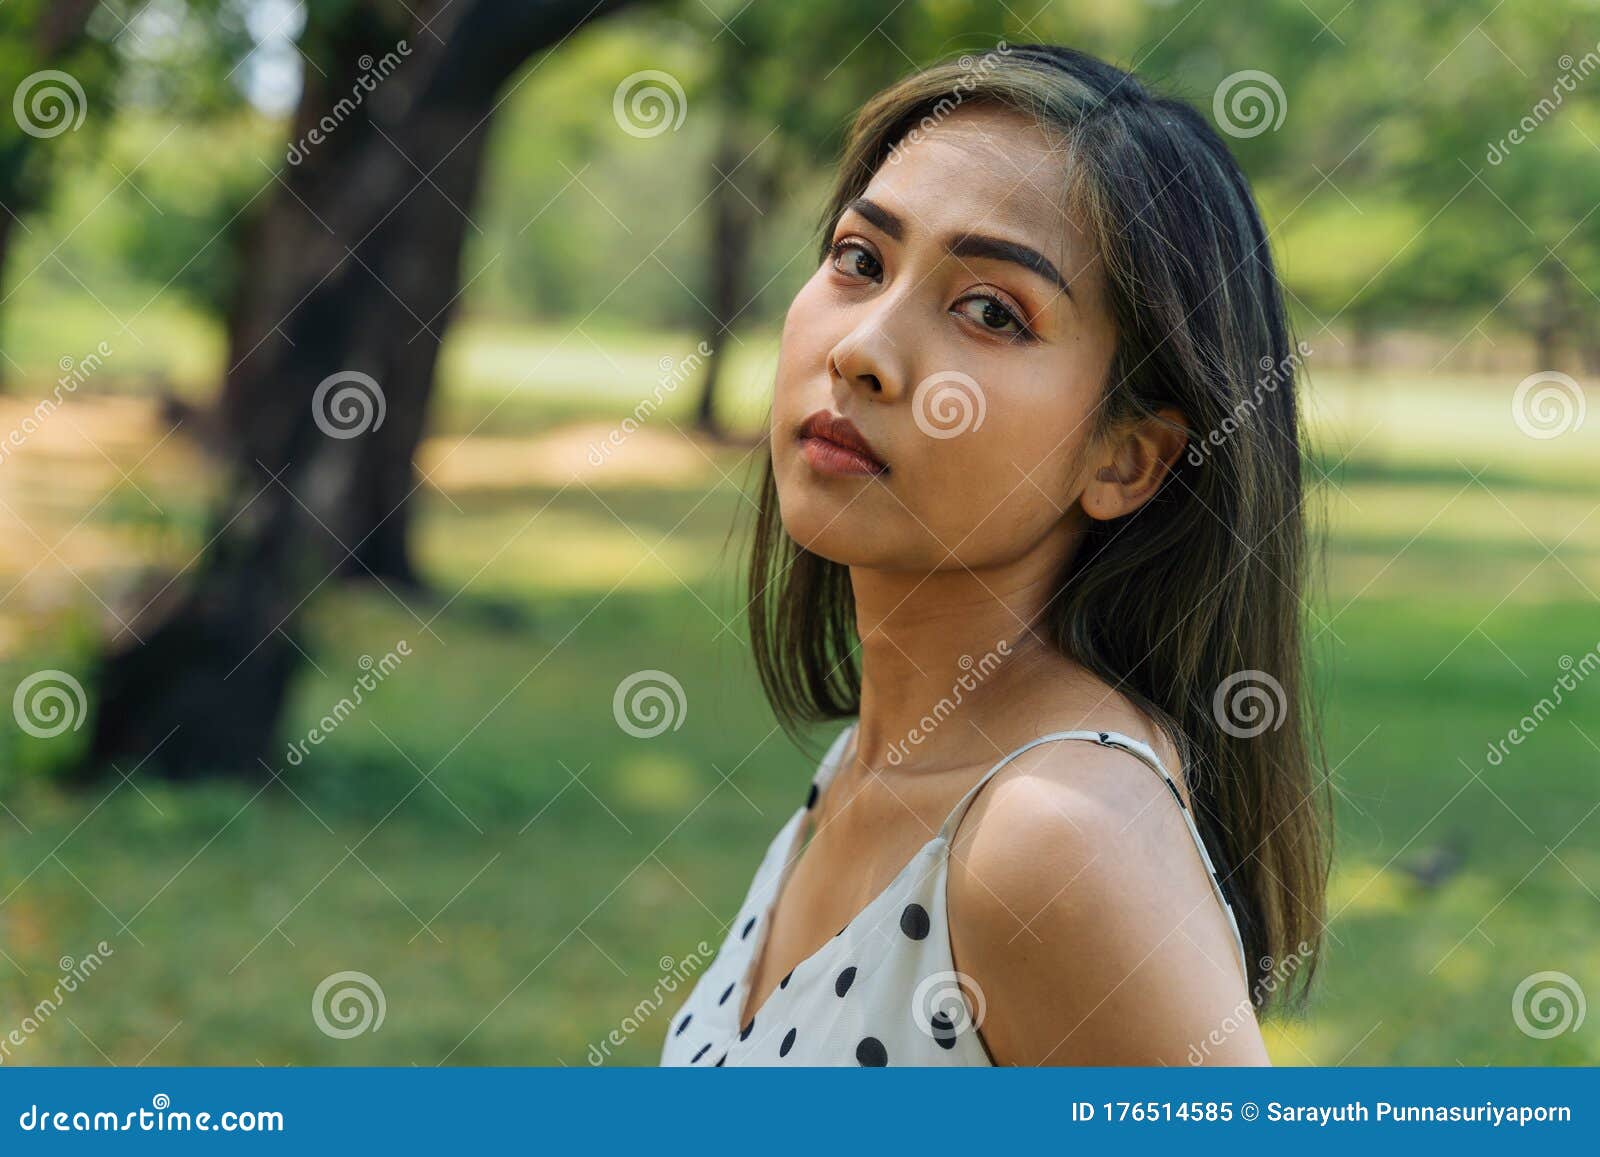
x,y
833,445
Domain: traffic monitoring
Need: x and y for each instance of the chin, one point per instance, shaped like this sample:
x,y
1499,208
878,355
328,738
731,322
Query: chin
x,y
819,522
810,520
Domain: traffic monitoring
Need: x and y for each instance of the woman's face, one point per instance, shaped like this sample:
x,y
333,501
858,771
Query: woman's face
x,y
960,327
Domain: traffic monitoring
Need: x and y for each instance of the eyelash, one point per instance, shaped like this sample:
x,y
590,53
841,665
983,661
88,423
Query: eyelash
x,y
1023,334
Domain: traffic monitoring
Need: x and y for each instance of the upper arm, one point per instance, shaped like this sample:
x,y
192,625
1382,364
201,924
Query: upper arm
x,y
1082,914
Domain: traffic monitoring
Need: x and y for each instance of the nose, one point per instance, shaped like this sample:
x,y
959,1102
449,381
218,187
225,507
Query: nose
x,y
869,358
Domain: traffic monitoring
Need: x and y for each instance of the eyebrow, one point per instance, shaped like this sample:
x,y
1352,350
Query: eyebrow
x,y
968,244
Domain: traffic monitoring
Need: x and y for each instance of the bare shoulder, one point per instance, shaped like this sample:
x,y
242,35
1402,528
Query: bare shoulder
x,y
1084,919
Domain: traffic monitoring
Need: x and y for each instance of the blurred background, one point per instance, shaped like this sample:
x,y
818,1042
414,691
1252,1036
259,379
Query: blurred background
x,y
381,388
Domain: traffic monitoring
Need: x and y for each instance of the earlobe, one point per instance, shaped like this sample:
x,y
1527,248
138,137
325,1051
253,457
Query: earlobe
x,y
1104,491
1102,494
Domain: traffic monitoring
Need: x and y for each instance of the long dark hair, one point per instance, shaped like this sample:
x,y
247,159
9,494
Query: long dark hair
x,y
1191,605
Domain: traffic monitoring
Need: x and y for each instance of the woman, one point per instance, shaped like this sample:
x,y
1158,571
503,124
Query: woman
x,y
1033,516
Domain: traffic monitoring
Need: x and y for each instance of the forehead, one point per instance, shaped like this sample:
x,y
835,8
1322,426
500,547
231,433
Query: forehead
x,y
987,169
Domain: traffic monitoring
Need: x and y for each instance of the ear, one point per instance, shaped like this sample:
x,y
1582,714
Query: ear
x,y
1132,463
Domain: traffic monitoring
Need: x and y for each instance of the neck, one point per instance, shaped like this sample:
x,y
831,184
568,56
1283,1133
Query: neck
x,y
944,659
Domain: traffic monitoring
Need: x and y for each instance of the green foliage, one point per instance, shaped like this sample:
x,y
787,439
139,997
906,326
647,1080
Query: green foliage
x,y
55,109
183,228
1384,207
454,781
1386,211
152,215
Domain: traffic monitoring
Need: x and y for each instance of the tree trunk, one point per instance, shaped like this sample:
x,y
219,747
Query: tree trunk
x,y
742,188
352,274
1555,319
1363,343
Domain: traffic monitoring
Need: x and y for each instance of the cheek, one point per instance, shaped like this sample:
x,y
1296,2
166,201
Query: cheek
x,y
997,489
805,340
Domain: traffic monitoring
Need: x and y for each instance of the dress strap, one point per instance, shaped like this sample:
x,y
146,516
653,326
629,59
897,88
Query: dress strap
x,y
1143,752
830,763
948,831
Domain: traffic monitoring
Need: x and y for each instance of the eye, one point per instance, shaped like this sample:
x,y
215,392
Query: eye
x,y
853,259
993,315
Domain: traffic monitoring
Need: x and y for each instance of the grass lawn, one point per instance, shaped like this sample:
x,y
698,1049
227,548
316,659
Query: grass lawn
x,y
518,874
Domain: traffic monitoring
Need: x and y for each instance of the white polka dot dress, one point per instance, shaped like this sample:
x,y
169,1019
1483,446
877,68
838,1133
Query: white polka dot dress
x,y
884,990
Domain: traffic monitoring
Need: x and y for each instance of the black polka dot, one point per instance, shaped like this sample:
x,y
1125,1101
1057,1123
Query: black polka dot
x,y
726,992
811,800
720,1059
705,1048
1104,738
846,979
745,1031
914,921
751,923
784,983
871,1053
788,1043
684,1023
944,1030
